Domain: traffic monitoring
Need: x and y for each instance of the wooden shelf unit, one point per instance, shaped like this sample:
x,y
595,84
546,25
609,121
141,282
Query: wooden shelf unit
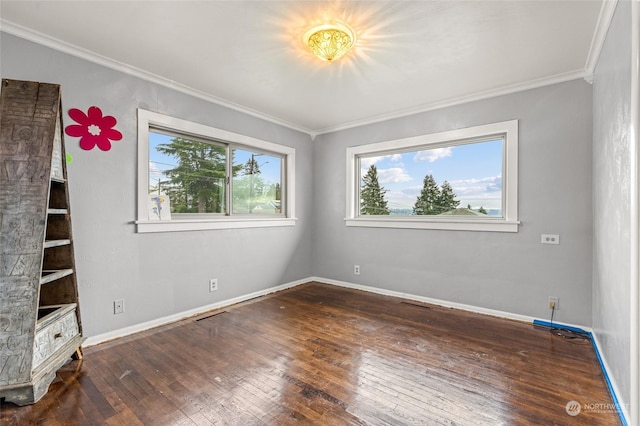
x,y
40,326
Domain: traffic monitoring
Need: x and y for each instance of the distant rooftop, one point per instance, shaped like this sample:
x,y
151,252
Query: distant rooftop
x,y
462,212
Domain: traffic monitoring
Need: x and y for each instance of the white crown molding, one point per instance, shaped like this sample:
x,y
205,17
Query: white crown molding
x,y
599,35
487,94
77,51
62,46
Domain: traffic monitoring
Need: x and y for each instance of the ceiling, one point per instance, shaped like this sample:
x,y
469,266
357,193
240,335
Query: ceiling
x,y
410,56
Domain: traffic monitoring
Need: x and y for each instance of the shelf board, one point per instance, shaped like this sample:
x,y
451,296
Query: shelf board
x,y
57,211
56,243
49,275
49,313
59,180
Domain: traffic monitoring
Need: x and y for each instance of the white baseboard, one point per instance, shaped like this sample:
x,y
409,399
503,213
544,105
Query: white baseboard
x,y
101,338
439,302
613,388
136,328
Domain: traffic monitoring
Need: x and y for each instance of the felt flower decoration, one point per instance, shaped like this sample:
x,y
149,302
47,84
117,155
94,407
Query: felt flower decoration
x,y
93,128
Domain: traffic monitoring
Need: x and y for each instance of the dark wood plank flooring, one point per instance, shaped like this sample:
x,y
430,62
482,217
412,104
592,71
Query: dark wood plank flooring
x,y
325,355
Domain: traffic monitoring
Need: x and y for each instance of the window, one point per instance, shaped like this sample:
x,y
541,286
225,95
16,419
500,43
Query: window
x,y
465,179
195,177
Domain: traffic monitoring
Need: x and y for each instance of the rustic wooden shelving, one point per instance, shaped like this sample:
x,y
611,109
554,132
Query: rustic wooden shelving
x,y
40,326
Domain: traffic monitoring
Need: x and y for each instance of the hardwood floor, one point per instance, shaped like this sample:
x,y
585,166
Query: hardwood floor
x,y
320,354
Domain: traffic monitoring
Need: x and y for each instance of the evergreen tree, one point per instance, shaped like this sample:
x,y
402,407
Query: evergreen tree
x,y
197,182
372,200
447,199
248,186
251,167
427,201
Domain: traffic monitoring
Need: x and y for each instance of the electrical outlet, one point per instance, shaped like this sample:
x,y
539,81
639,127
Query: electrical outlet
x,y
550,239
356,269
118,306
554,302
213,284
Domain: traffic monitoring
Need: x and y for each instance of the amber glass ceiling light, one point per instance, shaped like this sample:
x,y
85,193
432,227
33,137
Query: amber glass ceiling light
x,y
329,41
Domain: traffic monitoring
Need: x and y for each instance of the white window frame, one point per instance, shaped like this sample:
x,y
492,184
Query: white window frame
x,y
508,223
148,120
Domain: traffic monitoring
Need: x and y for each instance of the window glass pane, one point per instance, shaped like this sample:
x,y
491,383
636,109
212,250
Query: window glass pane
x,y
458,179
257,183
192,173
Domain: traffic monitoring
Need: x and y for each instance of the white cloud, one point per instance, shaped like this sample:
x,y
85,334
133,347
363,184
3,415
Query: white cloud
x,y
486,192
483,185
366,162
393,175
432,155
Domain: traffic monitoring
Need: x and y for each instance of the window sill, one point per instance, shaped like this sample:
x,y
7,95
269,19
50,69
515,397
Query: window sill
x,y
490,225
207,224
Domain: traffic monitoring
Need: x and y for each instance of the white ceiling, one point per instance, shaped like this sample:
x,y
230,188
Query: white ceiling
x,y
410,56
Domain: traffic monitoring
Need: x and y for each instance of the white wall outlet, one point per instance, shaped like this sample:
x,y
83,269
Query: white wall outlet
x,y
550,239
213,284
118,306
356,269
554,302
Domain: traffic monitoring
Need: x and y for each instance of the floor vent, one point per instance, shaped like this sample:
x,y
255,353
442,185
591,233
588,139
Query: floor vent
x,y
416,304
212,315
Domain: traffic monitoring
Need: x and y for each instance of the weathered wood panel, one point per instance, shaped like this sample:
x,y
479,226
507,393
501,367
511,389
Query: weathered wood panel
x,y
28,118
35,232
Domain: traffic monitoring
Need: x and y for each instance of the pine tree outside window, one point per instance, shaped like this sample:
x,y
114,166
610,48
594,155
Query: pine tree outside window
x,y
463,179
372,200
213,179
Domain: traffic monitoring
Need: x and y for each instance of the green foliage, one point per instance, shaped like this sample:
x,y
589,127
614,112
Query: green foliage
x,y
447,199
372,201
482,210
249,188
197,182
427,201
433,199
251,167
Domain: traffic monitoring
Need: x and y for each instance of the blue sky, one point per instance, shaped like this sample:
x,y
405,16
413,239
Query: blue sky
x,y
473,170
158,162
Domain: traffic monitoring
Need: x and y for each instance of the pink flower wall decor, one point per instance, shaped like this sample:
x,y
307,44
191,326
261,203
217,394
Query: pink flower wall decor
x,y
93,128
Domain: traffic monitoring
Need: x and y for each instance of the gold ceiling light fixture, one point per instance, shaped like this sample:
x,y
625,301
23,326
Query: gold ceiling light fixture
x,y
329,41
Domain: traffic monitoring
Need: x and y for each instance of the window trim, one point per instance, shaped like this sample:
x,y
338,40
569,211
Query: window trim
x,y
508,223
148,120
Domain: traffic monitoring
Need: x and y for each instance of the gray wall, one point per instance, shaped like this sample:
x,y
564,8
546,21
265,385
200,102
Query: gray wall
x,y
510,272
161,274
612,188
164,273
